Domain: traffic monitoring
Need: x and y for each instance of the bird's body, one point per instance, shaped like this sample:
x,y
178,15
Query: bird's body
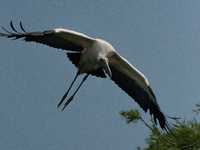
x,y
96,56
91,55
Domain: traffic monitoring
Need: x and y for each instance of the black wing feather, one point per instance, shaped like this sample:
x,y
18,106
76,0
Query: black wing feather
x,y
140,96
74,58
98,73
44,37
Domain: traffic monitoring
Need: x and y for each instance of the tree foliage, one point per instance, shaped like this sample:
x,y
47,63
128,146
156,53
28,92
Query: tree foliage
x,y
197,110
186,135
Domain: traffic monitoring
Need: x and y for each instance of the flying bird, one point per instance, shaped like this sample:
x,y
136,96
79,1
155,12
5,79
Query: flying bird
x,y
97,57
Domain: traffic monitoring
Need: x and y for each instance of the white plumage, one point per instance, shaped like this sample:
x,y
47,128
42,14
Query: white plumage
x,y
94,56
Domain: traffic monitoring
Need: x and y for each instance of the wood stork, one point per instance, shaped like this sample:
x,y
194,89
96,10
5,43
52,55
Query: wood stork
x,y
94,56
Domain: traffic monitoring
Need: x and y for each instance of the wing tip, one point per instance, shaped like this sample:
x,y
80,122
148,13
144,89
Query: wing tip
x,y
16,34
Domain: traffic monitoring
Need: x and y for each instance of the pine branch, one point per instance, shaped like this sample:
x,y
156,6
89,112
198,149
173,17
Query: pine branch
x,y
189,146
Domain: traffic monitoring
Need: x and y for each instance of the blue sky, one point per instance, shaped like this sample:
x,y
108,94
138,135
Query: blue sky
x,y
159,38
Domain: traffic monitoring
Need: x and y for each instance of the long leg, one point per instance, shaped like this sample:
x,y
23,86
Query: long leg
x,y
65,95
71,98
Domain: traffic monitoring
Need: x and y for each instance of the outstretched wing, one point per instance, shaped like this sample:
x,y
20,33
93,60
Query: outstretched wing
x,y
57,38
136,85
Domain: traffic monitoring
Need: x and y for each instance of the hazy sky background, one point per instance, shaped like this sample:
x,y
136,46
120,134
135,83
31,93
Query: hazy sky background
x,y
159,38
